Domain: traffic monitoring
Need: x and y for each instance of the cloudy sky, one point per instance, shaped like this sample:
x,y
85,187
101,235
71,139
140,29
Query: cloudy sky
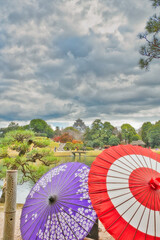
x,y
66,59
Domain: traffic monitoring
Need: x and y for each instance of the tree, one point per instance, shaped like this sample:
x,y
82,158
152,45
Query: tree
x,y
151,50
93,135
128,132
106,132
144,132
57,132
65,137
154,135
21,150
76,134
99,133
12,126
40,126
113,140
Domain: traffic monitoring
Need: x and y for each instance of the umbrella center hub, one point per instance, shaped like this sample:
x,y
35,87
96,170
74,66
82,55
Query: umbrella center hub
x,y
52,199
155,183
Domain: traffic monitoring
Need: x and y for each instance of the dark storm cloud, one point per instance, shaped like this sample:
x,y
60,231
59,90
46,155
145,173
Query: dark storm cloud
x,y
69,59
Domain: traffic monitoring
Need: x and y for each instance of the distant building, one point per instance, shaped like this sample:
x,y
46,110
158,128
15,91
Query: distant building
x,y
79,125
138,142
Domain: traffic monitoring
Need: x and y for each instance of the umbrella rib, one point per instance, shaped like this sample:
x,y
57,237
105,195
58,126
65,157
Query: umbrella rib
x,y
156,162
155,232
50,224
69,189
115,164
60,224
77,222
113,177
123,156
144,159
40,210
106,200
131,156
116,177
69,226
32,224
63,198
139,184
64,195
78,212
132,215
148,219
141,216
110,169
123,214
41,226
120,160
67,179
32,210
148,169
55,220
38,193
74,204
32,204
64,177
150,158
110,190
36,198
157,196
120,204
73,180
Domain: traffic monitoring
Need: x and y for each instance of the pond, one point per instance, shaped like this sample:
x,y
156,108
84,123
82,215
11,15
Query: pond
x,y
24,189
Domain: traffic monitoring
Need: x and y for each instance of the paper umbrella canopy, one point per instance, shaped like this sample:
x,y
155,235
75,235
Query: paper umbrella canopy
x,y
124,187
58,206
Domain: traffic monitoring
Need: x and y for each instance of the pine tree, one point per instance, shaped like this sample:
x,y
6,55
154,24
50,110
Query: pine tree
x,y
151,50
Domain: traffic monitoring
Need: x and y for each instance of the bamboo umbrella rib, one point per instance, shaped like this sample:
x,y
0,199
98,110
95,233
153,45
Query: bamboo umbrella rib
x,y
32,210
70,189
132,216
39,211
26,206
110,169
42,217
75,182
148,168
67,179
69,226
45,225
141,216
121,203
115,164
120,160
60,225
148,217
77,222
76,212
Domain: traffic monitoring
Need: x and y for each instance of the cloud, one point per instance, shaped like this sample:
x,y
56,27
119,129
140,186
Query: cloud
x,y
61,60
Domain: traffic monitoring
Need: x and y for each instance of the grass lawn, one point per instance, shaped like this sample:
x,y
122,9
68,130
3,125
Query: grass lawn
x,y
69,153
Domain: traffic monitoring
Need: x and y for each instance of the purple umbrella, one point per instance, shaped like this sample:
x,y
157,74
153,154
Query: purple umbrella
x,y
58,206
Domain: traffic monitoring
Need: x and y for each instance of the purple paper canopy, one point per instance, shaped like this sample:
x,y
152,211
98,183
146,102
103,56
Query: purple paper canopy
x,y
58,206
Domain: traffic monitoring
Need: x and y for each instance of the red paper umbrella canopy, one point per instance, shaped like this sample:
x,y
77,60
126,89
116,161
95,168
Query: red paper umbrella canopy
x,y
124,187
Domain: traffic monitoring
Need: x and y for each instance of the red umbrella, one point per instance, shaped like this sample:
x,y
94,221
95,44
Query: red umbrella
x,y
124,187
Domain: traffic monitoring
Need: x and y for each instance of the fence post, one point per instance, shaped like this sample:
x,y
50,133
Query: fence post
x,y
10,205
